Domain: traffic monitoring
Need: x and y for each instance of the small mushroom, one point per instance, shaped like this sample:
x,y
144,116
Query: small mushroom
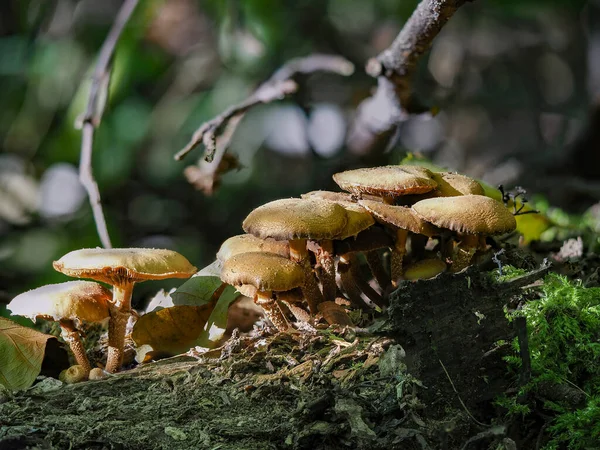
x,y
73,374
297,220
244,243
424,269
471,216
267,273
122,268
68,304
387,182
403,221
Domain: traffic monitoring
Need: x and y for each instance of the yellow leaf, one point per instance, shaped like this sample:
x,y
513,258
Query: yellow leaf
x,y
21,354
171,331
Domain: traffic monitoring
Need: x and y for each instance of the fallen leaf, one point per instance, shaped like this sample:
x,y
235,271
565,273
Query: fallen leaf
x,y
196,291
214,329
21,354
171,331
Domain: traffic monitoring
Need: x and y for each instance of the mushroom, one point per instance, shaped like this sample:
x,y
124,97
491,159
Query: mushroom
x,y
244,243
267,273
471,216
388,182
73,374
424,269
403,221
68,304
122,268
297,220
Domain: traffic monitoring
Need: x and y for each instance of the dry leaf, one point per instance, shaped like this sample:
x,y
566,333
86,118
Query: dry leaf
x,y
171,331
21,354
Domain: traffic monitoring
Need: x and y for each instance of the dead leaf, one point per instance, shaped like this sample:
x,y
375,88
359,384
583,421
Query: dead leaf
x,y
216,325
21,354
196,291
171,331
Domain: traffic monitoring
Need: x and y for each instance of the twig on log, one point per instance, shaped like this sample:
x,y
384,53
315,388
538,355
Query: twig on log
x,y
222,127
93,113
379,116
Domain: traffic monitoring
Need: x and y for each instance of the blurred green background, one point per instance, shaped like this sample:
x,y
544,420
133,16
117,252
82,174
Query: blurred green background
x,y
516,82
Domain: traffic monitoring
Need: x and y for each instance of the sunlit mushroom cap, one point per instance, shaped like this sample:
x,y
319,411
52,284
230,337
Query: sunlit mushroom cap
x,y
358,218
116,265
469,214
74,300
296,218
337,196
450,184
386,180
264,271
424,269
244,243
399,217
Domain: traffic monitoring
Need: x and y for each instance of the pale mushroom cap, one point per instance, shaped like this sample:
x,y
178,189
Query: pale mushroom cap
x,y
424,269
468,214
264,271
451,184
296,218
358,218
73,300
399,217
244,243
386,180
118,265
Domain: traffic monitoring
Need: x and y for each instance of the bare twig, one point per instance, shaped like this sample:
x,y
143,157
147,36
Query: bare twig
x,y
379,116
93,113
280,85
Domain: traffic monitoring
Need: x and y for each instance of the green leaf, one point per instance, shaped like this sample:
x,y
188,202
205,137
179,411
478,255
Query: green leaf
x,y
217,322
196,291
21,354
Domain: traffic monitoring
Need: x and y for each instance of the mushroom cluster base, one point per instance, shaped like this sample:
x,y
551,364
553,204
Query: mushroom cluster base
x,y
399,386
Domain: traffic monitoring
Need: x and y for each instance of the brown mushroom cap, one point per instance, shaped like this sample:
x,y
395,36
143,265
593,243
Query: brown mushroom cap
x,y
296,218
264,271
451,184
73,300
424,269
244,243
338,196
400,217
386,180
468,214
117,264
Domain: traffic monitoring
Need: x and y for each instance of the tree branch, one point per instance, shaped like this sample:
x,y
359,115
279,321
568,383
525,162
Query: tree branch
x,y
379,116
206,175
93,114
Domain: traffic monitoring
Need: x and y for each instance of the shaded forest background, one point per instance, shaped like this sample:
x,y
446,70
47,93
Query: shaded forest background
x,y
516,83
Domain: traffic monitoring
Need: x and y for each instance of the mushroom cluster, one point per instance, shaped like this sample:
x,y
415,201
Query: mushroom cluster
x,y
74,302
405,222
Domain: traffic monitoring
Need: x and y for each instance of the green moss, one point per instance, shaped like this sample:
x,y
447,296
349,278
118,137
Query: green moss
x,y
564,344
507,273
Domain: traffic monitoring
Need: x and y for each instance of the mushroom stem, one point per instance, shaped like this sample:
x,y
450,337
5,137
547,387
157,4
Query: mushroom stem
x,y
464,252
299,254
398,255
362,283
119,315
349,284
325,258
265,300
71,336
377,269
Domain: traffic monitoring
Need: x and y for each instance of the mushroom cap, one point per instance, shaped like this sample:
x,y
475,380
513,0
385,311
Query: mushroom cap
x,y
296,218
386,180
74,300
118,265
400,217
451,184
264,271
424,269
468,214
359,218
244,243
